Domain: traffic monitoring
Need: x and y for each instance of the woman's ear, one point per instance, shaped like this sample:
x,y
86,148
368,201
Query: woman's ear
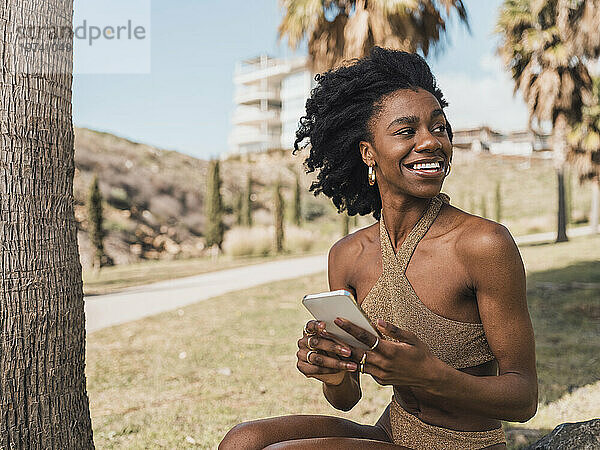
x,y
366,152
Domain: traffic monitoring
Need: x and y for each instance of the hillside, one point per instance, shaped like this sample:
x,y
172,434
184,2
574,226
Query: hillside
x,y
154,198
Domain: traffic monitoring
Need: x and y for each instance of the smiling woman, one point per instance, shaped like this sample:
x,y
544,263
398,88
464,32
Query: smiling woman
x,y
446,289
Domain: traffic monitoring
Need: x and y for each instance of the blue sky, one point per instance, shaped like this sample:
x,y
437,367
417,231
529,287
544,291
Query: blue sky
x,y
185,102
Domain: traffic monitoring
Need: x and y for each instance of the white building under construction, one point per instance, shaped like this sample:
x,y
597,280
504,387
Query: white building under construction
x,y
270,95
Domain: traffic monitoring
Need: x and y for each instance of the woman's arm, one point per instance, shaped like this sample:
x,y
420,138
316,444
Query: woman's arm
x,y
344,396
348,393
497,274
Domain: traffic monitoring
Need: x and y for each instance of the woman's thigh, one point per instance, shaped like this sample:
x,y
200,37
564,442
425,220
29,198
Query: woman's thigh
x,y
258,434
334,443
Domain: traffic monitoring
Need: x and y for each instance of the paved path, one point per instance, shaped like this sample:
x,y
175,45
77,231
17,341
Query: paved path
x,y
134,303
551,236
141,301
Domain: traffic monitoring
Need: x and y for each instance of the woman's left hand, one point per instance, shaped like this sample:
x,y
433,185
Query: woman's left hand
x,y
408,362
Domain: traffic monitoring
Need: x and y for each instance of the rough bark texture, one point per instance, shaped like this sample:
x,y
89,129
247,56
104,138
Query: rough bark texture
x,y
43,399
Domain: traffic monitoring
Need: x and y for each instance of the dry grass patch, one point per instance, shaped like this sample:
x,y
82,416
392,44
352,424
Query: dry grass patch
x,y
183,378
198,371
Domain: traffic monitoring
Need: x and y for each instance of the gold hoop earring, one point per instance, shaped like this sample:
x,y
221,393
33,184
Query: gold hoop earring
x,y
448,169
371,176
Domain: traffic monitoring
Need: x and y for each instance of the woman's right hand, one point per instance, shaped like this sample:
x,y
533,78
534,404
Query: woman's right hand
x,y
326,363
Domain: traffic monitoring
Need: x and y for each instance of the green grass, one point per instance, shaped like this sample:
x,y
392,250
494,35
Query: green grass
x,y
194,373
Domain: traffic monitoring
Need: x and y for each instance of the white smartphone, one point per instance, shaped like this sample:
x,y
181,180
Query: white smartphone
x,y
326,306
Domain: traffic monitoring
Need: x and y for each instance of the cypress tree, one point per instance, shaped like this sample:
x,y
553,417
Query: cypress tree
x,y
278,210
498,201
345,224
483,206
214,206
247,206
95,219
568,196
239,206
297,212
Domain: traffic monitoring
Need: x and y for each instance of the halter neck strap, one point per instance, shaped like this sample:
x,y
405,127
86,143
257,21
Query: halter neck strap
x,y
402,257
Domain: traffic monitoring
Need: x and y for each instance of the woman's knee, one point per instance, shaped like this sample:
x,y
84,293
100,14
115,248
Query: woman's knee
x,y
247,436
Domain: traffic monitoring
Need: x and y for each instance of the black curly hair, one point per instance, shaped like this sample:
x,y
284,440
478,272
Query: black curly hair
x,y
338,117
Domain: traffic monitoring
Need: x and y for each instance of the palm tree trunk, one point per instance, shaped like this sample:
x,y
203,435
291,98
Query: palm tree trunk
x,y
561,232
43,398
559,150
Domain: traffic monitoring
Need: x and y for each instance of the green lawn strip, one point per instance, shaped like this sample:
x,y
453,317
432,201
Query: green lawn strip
x,y
183,378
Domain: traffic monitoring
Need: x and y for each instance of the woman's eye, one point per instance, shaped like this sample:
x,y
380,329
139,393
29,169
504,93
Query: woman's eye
x,y
440,128
405,131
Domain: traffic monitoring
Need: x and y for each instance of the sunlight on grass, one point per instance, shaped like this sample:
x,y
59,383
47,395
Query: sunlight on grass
x,y
577,406
183,378
198,371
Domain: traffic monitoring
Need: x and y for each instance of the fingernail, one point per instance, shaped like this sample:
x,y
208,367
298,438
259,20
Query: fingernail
x,y
381,323
351,366
345,351
339,321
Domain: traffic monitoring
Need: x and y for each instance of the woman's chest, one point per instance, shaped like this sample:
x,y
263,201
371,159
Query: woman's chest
x,y
435,277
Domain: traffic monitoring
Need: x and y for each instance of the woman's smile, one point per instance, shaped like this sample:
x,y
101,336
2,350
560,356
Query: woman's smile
x,y
426,167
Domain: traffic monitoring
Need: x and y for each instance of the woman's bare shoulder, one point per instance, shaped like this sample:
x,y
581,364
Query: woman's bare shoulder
x,y
480,237
353,244
351,247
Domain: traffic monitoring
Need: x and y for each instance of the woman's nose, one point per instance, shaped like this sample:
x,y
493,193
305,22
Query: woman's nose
x,y
428,142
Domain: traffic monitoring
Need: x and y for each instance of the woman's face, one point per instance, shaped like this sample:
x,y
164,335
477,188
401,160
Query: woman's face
x,y
410,147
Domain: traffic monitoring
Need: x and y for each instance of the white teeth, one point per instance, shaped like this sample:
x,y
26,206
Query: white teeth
x,y
420,166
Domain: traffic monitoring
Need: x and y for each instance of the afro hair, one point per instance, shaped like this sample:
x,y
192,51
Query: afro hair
x,y
338,114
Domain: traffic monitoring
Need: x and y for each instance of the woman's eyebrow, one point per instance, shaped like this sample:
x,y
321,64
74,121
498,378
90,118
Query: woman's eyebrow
x,y
405,119
415,119
436,112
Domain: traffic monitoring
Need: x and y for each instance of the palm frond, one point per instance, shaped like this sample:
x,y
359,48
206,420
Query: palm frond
x,y
543,66
358,25
584,138
326,44
300,19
